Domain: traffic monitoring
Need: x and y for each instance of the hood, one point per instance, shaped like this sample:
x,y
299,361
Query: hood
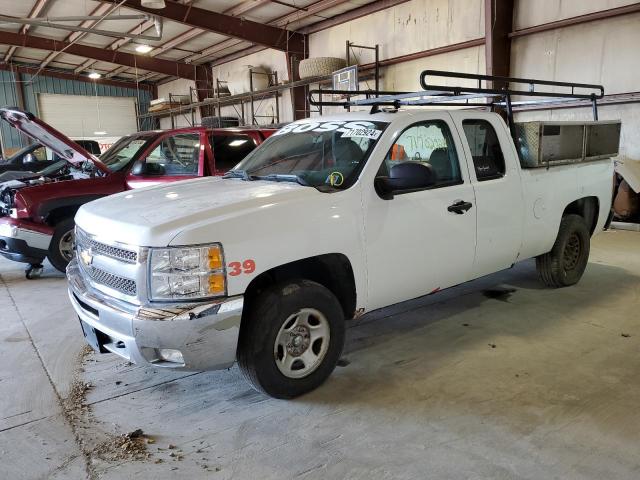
x,y
154,216
48,136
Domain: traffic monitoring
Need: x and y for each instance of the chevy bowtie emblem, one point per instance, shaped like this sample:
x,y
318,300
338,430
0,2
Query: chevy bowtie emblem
x,y
86,256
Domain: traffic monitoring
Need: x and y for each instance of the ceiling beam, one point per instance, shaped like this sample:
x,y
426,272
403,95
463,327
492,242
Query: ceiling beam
x,y
244,7
101,9
143,62
141,28
35,11
70,76
569,22
247,30
282,21
240,9
350,15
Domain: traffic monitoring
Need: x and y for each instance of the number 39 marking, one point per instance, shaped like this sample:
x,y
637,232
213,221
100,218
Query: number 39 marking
x,y
246,267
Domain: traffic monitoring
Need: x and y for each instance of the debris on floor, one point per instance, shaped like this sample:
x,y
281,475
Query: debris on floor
x,y
74,404
129,446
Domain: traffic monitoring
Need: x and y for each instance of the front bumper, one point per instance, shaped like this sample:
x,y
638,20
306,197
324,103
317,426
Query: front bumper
x,y
206,334
22,241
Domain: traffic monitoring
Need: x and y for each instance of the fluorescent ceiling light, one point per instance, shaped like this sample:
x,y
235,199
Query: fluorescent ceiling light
x,y
94,75
237,143
101,132
144,48
152,3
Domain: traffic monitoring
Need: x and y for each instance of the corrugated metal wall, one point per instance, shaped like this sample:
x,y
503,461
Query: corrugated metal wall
x,y
9,136
32,86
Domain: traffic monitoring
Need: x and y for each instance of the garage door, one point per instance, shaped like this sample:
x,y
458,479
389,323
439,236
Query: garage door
x,y
78,116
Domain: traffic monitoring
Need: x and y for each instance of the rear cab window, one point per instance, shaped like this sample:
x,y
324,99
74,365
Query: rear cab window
x,y
488,160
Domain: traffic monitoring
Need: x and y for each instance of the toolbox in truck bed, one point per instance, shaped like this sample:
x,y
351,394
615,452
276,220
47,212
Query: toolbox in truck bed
x,y
545,144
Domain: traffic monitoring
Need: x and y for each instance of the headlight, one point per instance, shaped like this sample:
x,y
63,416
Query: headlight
x,y
186,273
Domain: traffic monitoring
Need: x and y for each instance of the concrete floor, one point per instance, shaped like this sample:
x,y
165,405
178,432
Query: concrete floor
x,y
534,384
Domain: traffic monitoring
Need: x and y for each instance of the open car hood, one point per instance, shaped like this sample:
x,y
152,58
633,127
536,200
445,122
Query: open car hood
x,y
48,136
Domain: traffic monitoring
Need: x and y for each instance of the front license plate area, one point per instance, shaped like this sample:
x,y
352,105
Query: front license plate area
x,y
92,337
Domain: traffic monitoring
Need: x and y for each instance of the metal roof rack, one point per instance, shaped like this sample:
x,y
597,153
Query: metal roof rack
x,y
498,92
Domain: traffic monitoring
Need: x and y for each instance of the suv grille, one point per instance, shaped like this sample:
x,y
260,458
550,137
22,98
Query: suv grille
x,y
85,242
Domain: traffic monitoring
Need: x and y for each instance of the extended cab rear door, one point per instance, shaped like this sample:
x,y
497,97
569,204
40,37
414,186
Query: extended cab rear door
x,y
425,240
174,156
495,175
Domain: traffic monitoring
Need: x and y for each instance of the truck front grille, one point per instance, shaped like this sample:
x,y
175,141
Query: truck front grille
x,y
121,284
85,242
105,264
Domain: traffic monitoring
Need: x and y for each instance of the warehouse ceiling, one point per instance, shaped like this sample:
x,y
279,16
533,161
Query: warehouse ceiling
x,y
183,34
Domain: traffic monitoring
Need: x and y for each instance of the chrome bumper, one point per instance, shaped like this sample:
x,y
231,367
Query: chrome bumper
x,y
206,334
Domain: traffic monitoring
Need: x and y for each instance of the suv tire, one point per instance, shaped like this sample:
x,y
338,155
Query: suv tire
x,y
291,338
59,253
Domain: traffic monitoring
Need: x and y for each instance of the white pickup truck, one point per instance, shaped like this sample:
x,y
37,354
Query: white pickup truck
x,y
330,218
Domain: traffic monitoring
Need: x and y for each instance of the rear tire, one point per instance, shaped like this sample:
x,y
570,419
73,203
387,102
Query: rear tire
x,y
291,338
565,263
61,247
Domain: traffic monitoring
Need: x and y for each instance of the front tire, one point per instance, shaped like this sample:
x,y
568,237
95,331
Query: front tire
x,y
61,247
565,263
291,339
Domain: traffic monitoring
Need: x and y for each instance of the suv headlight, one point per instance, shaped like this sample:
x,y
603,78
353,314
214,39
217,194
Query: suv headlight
x,y
186,273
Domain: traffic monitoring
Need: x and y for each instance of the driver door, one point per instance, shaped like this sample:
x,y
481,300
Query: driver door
x,y
415,244
174,157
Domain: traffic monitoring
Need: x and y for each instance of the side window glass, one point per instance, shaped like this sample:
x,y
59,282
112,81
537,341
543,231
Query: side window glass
x,y
429,142
176,155
488,159
228,150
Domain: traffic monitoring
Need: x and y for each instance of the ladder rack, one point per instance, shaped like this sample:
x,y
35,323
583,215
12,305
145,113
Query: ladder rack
x,y
497,91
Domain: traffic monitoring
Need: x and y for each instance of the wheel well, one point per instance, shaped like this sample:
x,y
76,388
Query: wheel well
x,y
333,271
588,208
61,213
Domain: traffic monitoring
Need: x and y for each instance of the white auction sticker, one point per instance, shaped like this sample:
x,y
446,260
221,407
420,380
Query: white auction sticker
x,y
371,133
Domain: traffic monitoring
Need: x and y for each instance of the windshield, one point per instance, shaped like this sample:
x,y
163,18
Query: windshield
x,y
19,153
316,154
123,151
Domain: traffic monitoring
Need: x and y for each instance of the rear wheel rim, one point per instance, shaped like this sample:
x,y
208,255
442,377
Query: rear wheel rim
x,y
302,343
65,246
572,252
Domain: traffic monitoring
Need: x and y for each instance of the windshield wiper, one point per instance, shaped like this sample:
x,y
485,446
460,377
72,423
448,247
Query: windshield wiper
x,y
238,174
278,177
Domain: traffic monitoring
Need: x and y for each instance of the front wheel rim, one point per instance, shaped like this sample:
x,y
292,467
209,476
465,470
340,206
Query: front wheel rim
x,y
302,343
65,246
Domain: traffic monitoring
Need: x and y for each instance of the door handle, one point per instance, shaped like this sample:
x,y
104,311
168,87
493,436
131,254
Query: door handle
x,y
460,207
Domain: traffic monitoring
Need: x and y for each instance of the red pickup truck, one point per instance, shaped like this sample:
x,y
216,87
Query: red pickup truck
x,y
36,213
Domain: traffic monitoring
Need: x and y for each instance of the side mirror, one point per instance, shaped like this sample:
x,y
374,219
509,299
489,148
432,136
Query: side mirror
x,y
151,169
406,177
29,158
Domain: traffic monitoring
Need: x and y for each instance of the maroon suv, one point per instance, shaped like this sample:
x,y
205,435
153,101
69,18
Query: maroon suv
x,y
36,213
